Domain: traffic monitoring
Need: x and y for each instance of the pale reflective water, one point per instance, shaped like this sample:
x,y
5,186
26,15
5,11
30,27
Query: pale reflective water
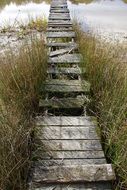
x,y
107,16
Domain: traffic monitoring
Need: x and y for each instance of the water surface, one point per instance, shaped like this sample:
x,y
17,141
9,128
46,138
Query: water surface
x,y
108,17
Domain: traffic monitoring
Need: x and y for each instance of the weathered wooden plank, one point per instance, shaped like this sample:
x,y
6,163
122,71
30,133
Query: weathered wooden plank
x,y
67,58
69,154
66,82
63,145
58,18
62,10
65,22
73,173
64,162
58,29
59,44
64,102
67,133
60,34
65,120
64,89
62,51
73,186
67,86
66,71
59,15
58,6
59,10
59,24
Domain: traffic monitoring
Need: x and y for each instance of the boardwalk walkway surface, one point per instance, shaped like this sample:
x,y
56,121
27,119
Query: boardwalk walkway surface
x,y
68,153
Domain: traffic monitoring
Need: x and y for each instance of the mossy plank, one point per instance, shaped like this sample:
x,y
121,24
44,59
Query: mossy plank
x,y
64,102
65,82
66,70
65,89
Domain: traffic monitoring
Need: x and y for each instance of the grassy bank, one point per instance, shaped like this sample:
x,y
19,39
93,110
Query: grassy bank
x,y
37,24
107,72
21,76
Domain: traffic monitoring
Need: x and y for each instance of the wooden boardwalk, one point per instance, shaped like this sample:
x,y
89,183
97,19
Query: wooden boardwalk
x,y
68,154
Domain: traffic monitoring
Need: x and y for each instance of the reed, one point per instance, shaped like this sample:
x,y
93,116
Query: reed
x,y
21,76
106,66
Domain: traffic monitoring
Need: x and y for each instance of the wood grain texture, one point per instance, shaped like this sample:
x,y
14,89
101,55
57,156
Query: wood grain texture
x,y
58,18
59,10
62,51
68,145
65,82
95,154
63,103
65,121
65,89
69,162
65,70
66,86
57,29
67,132
55,44
67,58
64,22
73,173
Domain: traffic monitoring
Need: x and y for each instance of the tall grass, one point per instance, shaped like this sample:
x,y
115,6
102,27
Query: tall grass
x,y
21,76
107,71
34,24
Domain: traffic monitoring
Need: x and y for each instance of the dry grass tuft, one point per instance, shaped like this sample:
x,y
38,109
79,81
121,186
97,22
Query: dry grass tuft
x,y
106,66
20,79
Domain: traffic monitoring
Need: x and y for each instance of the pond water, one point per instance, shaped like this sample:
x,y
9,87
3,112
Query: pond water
x,y
107,17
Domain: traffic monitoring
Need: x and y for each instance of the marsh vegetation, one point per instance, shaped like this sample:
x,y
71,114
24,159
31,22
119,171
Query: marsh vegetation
x,y
20,78
22,74
106,65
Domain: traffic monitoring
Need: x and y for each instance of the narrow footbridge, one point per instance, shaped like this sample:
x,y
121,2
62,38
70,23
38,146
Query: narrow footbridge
x,y
68,154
